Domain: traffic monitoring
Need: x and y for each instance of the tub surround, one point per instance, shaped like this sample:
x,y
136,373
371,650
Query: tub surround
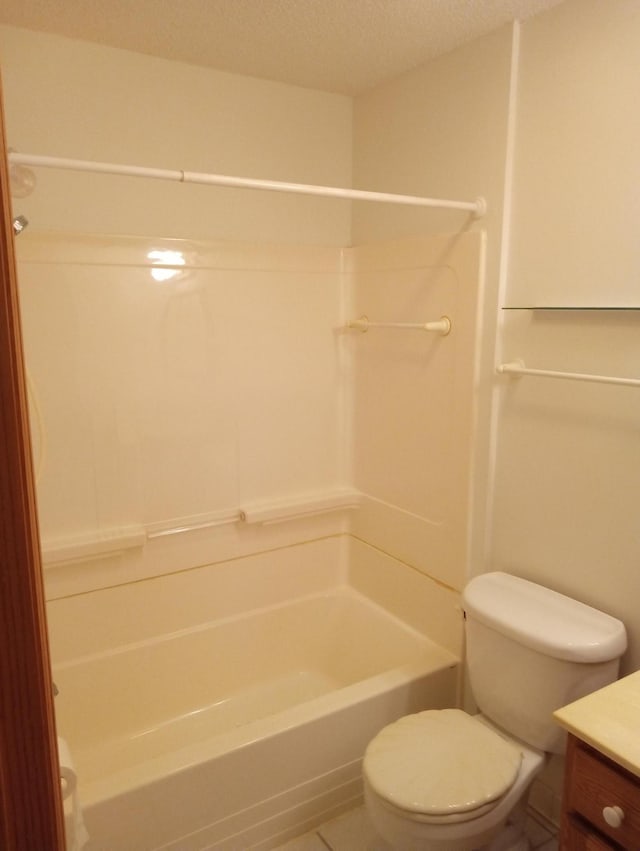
x,y
609,721
83,625
172,449
181,424
414,398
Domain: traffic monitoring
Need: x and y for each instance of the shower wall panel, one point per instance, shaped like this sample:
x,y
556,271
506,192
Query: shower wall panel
x,y
415,398
171,380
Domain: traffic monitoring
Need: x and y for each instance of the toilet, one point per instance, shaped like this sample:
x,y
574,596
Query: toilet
x,y
444,780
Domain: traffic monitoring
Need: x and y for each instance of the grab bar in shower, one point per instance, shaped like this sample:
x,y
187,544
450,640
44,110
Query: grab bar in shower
x,y
267,512
441,326
109,542
517,368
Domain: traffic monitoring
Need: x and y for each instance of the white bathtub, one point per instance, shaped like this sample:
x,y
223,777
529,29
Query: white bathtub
x,y
241,732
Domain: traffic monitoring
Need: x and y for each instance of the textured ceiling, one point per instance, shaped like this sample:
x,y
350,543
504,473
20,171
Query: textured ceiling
x,y
342,46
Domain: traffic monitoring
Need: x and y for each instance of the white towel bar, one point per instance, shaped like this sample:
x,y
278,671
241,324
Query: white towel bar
x,y
269,511
111,541
441,326
518,368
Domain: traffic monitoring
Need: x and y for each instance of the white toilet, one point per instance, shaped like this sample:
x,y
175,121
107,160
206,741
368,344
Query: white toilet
x,y
443,780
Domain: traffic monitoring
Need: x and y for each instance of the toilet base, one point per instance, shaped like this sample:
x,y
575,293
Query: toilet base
x,y
406,835
509,839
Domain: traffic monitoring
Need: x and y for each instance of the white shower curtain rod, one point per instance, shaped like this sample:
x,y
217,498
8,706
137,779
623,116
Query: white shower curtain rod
x,y
477,207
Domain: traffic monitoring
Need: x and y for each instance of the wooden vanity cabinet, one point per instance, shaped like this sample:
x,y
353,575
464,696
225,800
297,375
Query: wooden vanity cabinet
x,y
601,802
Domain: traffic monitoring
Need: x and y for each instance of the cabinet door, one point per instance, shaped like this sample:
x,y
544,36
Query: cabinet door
x,y
598,785
576,837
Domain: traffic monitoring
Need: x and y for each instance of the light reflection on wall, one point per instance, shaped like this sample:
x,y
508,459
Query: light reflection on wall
x,y
166,261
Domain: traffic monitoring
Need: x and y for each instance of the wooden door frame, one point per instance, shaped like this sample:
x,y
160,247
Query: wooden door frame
x,y
30,800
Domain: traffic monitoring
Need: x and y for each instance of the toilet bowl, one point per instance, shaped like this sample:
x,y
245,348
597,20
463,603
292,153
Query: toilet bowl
x,y
443,780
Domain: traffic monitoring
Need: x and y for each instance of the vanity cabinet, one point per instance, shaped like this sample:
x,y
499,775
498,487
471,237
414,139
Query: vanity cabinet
x,y
601,802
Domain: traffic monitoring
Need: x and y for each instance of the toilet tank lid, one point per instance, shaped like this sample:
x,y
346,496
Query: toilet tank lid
x,y
543,619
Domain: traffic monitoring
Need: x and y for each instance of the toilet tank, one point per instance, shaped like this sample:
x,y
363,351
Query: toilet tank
x,y
531,650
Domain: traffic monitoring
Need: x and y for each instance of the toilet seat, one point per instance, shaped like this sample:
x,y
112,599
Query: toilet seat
x,y
441,766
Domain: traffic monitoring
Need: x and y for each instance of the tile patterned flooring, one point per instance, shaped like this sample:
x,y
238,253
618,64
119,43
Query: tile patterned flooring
x,y
352,831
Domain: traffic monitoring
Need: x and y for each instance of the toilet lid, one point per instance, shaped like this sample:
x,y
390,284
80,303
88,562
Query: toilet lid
x,y
440,762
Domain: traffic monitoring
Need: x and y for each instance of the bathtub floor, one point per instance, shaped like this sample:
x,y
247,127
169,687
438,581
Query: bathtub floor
x,y
352,831
241,707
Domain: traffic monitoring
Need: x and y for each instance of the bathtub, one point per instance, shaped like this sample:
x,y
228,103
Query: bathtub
x,y
245,731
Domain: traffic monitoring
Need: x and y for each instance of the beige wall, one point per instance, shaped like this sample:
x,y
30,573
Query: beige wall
x,y
439,131
577,167
568,458
68,98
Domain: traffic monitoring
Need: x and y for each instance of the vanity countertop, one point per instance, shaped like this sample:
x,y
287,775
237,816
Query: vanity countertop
x,y
609,720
